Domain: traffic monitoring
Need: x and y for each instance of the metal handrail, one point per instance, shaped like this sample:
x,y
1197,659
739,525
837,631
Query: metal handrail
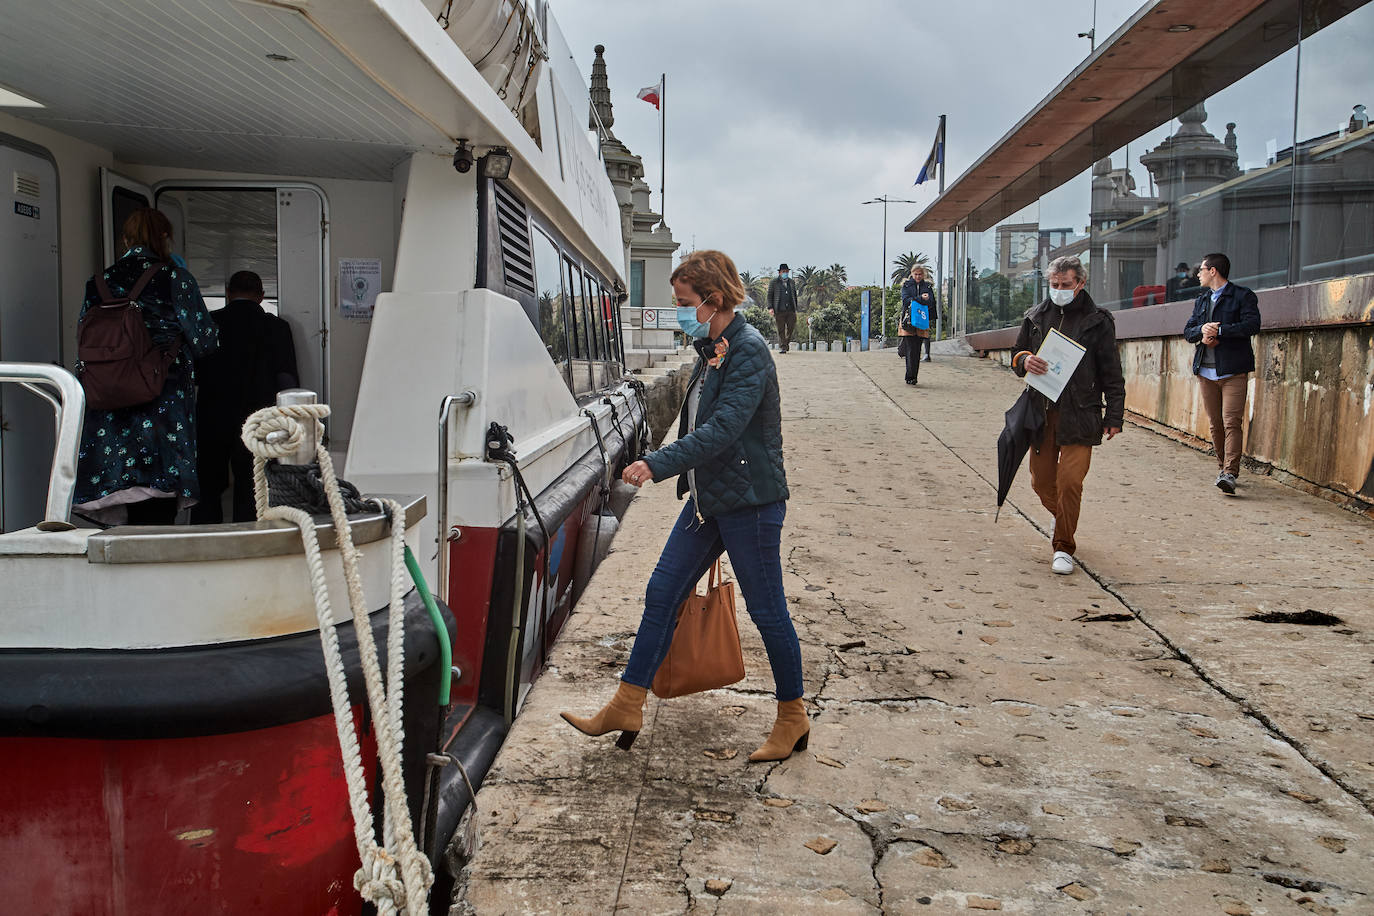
x,y
70,407
446,535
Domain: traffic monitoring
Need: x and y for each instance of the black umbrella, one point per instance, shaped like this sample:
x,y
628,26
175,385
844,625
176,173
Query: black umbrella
x,y
1025,425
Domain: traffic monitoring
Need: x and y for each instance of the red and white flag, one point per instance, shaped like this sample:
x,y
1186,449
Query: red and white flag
x,y
652,94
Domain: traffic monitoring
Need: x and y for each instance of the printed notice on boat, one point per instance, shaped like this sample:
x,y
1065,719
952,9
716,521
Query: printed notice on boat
x,y
1063,354
360,279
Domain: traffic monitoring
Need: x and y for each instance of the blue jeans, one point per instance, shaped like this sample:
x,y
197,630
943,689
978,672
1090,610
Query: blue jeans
x,y
752,536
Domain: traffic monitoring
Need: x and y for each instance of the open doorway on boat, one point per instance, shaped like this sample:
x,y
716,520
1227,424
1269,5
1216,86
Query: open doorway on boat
x,y
276,231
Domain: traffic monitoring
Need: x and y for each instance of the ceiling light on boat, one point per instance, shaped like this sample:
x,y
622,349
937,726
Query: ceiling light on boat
x,y
11,99
1033,143
1092,98
280,58
496,163
1180,28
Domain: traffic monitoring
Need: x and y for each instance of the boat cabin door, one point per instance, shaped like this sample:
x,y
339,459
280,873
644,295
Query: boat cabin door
x,y
275,230
30,327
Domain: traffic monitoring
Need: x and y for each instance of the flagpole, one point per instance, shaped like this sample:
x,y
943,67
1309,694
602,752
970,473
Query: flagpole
x,y
662,153
940,237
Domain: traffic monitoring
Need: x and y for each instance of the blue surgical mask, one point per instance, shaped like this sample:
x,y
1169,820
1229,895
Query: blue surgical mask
x,y
691,326
782,275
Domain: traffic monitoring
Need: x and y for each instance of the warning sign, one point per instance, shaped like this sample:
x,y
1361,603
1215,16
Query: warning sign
x,y
649,318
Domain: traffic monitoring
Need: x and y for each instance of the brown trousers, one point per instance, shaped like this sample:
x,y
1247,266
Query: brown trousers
x,y
787,324
1225,404
1057,478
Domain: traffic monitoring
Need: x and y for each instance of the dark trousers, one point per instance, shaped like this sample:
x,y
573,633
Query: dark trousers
x,y
911,349
218,457
787,324
752,537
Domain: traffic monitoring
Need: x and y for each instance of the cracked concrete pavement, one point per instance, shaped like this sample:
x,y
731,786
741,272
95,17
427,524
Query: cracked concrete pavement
x,y
985,735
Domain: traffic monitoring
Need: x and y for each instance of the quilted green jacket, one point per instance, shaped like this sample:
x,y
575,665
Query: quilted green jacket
x,y
736,448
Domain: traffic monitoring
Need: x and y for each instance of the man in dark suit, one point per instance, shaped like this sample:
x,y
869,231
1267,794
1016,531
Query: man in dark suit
x,y
255,360
782,302
1225,317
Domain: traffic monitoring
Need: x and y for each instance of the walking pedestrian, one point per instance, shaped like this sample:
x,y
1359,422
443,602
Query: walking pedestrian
x,y
782,302
137,464
1075,424
728,462
916,289
1225,317
256,359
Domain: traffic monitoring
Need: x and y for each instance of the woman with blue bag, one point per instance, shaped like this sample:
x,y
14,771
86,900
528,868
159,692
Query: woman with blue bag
x,y
918,313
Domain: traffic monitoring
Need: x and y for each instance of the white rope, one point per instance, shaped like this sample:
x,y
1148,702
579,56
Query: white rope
x,y
394,876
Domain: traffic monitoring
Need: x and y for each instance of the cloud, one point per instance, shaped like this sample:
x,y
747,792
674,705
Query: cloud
x,y
784,116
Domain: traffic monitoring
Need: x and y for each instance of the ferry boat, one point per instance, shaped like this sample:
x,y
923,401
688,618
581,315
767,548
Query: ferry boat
x,y
417,185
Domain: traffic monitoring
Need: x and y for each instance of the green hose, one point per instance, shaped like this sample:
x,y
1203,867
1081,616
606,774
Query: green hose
x,y
440,629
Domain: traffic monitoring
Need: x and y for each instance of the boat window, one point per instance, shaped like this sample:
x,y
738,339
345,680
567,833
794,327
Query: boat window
x,y
612,325
223,230
123,203
582,354
553,325
592,305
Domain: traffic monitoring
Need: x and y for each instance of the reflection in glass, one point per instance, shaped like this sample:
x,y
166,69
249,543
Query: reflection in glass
x,y
582,357
548,281
1333,217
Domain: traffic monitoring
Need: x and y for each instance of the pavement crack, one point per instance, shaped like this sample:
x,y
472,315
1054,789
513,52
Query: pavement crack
x,y
879,844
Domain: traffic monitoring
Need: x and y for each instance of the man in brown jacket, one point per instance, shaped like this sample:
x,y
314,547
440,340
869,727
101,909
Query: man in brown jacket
x,y
1075,423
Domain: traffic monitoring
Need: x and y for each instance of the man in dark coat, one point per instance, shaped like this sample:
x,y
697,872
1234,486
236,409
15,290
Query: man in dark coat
x,y
1076,422
1225,317
782,302
256,359
1182,285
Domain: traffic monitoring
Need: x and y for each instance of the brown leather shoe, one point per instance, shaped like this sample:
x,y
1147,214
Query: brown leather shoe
x,y
791,733
625,713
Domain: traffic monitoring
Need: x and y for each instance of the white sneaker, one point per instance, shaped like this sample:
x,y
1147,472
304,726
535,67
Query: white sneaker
x,y
1062,564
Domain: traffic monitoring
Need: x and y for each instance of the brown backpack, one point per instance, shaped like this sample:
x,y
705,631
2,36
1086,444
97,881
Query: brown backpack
x,y
118,363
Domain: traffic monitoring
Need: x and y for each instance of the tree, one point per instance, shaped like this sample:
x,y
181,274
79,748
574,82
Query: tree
x,y
834,322
903,263
762,319
758,290
839,273
805,286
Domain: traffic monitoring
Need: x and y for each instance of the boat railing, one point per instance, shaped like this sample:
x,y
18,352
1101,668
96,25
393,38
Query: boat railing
x,y
447,533
61,389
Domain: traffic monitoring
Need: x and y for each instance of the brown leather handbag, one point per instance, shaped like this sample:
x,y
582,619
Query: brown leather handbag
x,y
705,652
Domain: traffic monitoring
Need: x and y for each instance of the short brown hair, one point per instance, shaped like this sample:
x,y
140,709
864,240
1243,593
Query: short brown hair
x,y
151,229
711,273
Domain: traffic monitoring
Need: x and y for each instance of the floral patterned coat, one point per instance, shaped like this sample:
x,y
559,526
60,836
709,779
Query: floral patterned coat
x,y
153,445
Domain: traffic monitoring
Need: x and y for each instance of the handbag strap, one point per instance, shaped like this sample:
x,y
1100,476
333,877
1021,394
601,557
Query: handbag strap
x,y
715,576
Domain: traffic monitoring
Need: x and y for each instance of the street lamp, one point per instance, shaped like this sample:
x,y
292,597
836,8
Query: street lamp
x,y
882,274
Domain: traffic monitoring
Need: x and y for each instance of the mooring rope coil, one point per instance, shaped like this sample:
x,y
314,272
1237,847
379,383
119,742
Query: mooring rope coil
x,y
395,876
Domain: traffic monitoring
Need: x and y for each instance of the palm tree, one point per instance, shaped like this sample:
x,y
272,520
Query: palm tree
x,y
826,284
805,277
758,289
839,273
904,262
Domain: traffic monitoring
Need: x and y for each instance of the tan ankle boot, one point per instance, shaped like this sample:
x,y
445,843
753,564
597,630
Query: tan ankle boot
x,y
791,732
625,713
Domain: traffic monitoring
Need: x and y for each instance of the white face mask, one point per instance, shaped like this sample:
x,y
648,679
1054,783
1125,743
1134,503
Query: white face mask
x,y
1062,297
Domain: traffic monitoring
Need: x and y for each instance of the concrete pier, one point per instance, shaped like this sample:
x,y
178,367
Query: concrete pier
x,y
1134,738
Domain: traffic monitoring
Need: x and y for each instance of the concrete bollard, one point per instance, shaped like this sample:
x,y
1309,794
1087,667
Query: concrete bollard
x,y
837,346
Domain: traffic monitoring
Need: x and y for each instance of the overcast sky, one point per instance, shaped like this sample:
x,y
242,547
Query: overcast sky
x,y
784,116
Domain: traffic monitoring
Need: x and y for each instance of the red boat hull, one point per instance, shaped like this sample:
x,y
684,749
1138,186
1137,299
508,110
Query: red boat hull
x,y
251,822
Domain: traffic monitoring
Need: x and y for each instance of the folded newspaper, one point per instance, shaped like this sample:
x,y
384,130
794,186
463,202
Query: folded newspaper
x,y
1063,354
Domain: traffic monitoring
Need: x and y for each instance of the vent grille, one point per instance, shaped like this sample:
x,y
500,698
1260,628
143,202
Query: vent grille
x,y
513,231
27,184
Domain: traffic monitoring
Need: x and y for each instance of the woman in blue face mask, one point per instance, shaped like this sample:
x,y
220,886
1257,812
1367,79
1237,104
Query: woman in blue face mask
x,y
728,461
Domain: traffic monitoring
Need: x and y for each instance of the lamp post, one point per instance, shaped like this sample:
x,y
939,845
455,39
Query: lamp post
x,y
882,274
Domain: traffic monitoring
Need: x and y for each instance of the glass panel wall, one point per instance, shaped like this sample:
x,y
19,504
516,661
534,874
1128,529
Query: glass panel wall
x,y
1333,218
1274,169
